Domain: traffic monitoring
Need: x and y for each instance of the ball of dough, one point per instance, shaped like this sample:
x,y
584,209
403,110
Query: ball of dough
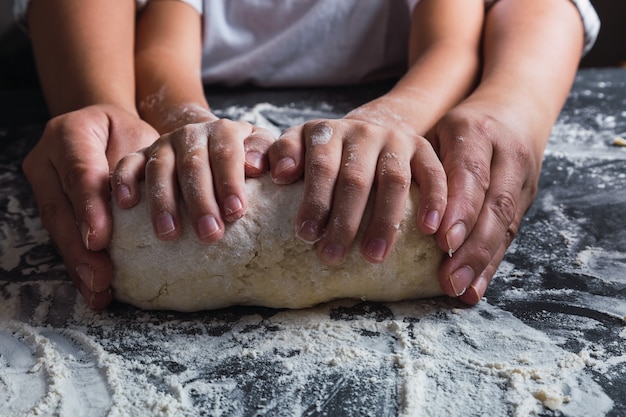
x,y
261,262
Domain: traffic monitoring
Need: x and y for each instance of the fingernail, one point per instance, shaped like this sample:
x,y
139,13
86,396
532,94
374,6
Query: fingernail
x,y
461,279
472,295
255,159
455,237
376,248
232,205
431,220
207,226
123,193
283,165
333,252
164,224
85,230
309,231
85,273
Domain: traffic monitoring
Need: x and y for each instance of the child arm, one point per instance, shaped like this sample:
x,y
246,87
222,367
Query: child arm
x,y
199,157
380,145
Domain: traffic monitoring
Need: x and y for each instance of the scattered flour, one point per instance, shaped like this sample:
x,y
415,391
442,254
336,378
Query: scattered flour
x,y
430,358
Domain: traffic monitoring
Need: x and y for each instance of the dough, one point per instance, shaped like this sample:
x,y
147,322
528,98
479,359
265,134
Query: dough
x,y
259,261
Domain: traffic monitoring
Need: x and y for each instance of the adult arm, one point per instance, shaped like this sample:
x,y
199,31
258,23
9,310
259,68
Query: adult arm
x,y
84,56
378,147
492,144
199,158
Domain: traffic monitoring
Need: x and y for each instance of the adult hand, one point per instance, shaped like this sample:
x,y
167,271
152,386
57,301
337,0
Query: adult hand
x,y
346,161
69,172
204,163
493,161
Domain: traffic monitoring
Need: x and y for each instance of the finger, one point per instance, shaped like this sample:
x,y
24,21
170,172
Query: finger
x,y
256,146
431,178
90,271
497,223
476,290
393,180
196,182
286,156
162,190
467,161
96,300
351,195
78,158
322,161
227,160
126,177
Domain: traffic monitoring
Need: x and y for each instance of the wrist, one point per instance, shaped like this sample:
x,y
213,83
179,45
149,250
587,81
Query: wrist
x,y
167,115
404,114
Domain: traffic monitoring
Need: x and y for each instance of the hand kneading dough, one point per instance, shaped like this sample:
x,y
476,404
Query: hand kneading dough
x,y
259,261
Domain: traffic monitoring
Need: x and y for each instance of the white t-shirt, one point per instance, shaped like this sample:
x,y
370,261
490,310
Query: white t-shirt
x,y
310,42
314,42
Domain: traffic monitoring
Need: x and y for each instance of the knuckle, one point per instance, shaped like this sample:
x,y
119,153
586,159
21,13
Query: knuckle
x,y
394,174
288,134
74,176
321,166
504,208
395,181
192,162
320,132
189,137
120,176
259,139
221,152
223,123
155,163
355,180
478,171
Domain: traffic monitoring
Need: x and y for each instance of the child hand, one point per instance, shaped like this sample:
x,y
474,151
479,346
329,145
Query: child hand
x,y
345,161
205,164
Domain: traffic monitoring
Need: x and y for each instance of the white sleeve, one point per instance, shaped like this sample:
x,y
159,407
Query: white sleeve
x,y
196,4
591,22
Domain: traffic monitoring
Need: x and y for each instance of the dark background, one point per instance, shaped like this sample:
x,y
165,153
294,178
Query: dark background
x,y
610,49
17,70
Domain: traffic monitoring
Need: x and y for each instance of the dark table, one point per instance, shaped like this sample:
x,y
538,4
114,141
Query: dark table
x,y
549,338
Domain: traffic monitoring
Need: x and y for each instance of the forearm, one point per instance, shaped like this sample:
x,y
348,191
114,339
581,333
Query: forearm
x,y
531,54
168,65
444,64
84,52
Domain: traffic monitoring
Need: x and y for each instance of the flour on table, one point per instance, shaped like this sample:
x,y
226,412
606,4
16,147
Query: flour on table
x,y
410,358
428,357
